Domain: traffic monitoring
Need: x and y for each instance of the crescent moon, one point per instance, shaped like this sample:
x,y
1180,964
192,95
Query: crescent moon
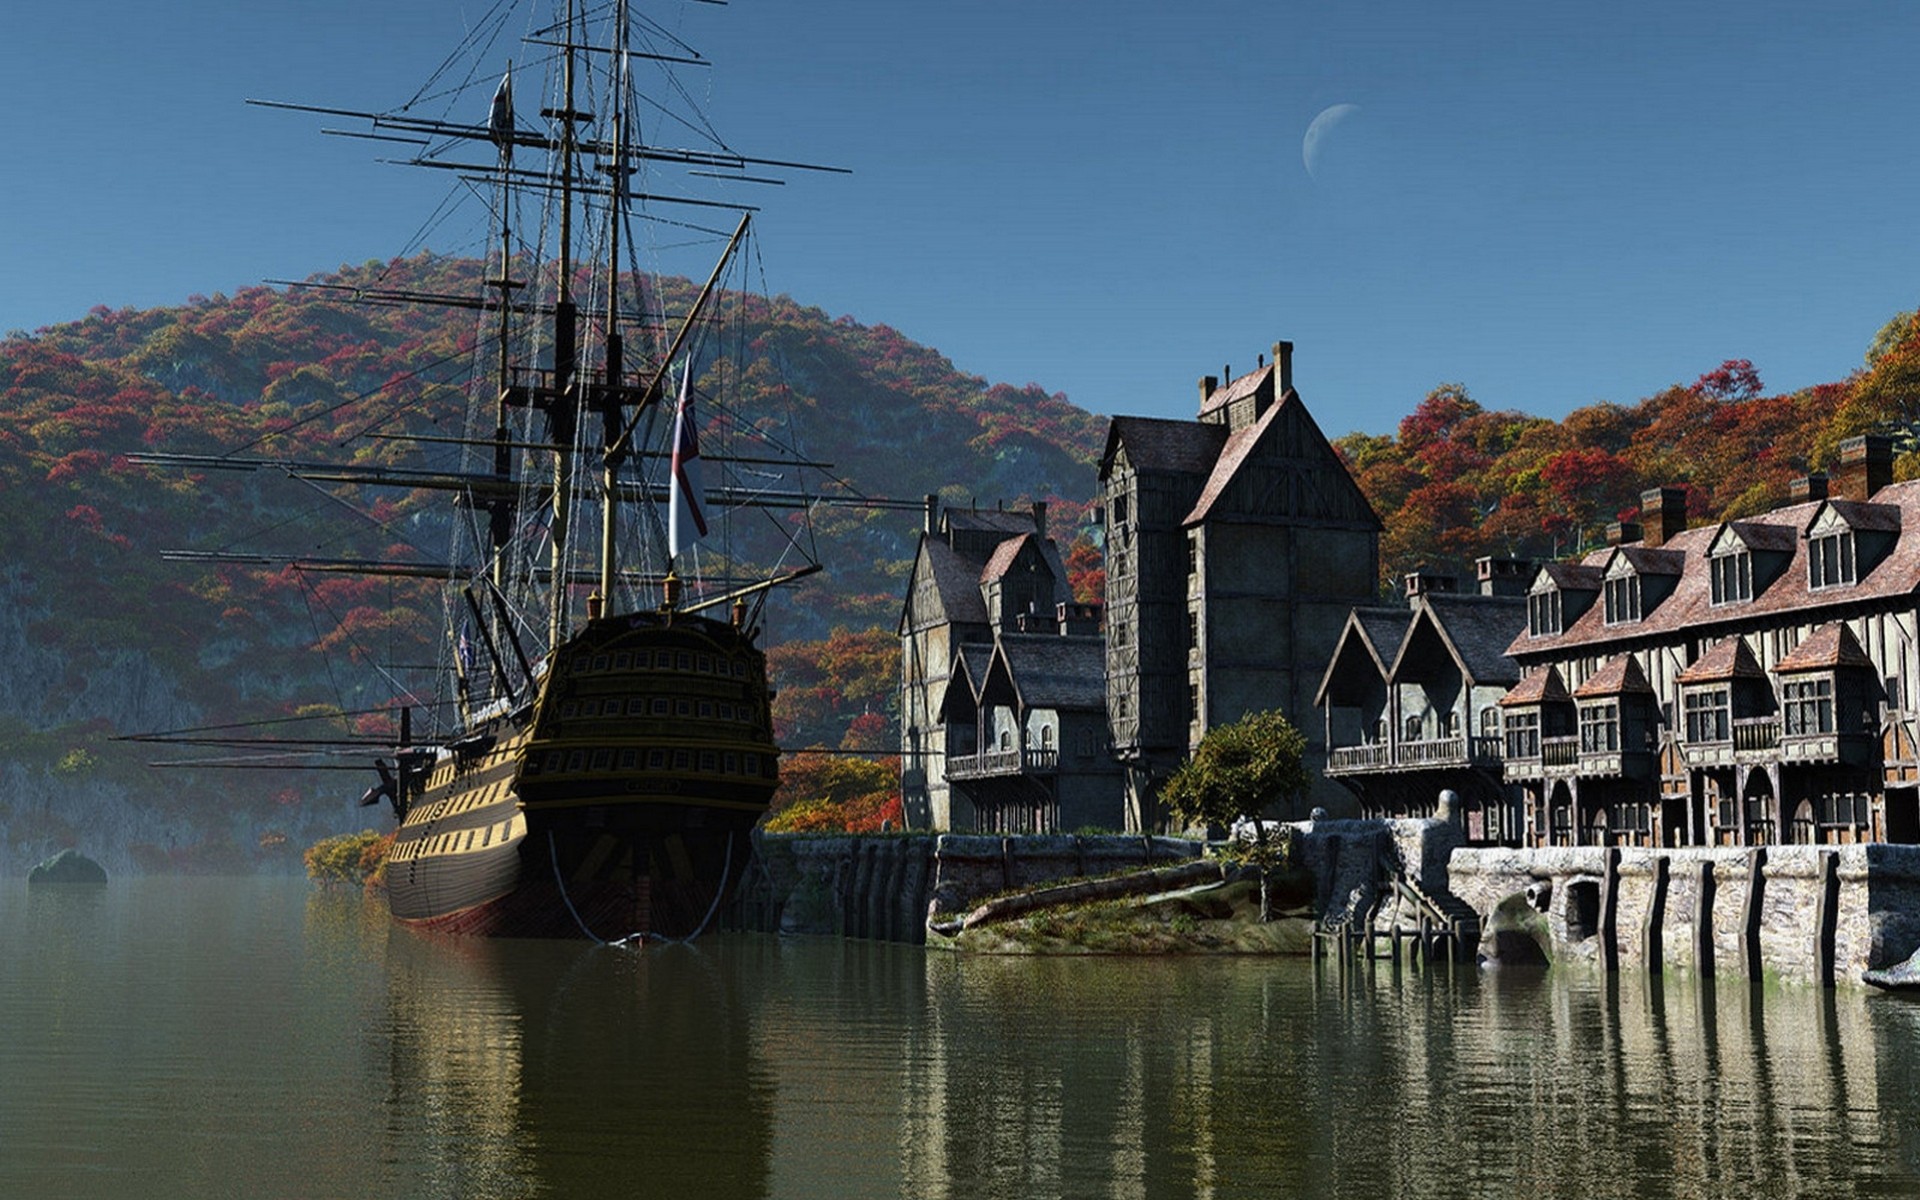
x,y
1318,132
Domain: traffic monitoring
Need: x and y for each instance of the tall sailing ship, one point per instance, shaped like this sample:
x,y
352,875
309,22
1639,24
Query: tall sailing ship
x,y
600,743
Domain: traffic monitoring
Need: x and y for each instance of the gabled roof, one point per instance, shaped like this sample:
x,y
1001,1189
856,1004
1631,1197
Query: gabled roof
x,y
1755,535
1620,677
1878,518
1690,609
969,679
1374,634
990,520
1475,631
1542,685
956,578
1237,389
1570,577
1157,444
1730,659
1645,561
1051,671
1826,648
1241,446
1004,556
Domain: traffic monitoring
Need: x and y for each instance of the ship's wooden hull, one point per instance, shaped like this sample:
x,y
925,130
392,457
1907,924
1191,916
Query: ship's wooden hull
x,y
618,802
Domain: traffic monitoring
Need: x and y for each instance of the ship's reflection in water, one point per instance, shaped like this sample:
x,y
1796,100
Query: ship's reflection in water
x,y
751,1066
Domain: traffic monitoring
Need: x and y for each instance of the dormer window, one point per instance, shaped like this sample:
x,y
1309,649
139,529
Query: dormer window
x,y
1732,577
1623,599
1543,613
1830,560
1709,714
1806,705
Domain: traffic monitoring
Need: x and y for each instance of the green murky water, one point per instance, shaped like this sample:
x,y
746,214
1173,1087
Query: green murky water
x,y
175,1037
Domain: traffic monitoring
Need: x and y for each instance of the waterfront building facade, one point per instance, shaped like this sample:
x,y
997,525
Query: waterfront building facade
x,y
1734,684
1411,697
1001,692
1236,543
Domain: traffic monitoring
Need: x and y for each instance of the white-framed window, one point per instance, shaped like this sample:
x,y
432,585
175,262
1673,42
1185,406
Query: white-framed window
x,y
1830,560
1623,599
1732,577
1543,613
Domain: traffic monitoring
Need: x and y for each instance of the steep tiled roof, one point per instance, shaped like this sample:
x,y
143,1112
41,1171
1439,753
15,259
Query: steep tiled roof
x,y
1003,557
1574,577
992,520
1653,562
1827,647
1233,453
1691,606
1766,536
1377,631
1235,389
1541,685
1620,677
957,579
1051,671
1730,659
1479,629
1155,444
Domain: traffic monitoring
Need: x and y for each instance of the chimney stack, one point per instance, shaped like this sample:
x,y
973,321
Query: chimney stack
x,y
1808,488
1040,518
1663,513
1503,576
933,514
1207,385
1282,368
1423,581
1866,466
1619,533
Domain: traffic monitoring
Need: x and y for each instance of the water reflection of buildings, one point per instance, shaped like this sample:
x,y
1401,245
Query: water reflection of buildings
x,y
1201,1078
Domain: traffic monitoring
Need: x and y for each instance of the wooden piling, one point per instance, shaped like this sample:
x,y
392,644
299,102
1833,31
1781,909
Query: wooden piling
x,y
1652,928
1610,910
1750,912
1826,917
1703,920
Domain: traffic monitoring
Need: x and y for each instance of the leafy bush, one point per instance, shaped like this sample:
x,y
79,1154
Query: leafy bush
x,y
358,859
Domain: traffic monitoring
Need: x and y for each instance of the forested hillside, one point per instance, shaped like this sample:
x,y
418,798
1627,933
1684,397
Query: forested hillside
x,y
99,635
1458,481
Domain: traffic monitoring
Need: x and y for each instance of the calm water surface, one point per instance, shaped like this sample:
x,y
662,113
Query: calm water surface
x,y
253,1038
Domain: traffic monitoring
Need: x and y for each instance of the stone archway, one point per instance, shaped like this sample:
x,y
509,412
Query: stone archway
x,y
1759,808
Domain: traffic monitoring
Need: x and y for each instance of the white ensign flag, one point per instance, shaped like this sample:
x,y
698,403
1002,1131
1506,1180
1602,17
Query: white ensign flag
x,y
686,513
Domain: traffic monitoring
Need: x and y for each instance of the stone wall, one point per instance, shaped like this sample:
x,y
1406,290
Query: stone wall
x,y
887,888
1810,912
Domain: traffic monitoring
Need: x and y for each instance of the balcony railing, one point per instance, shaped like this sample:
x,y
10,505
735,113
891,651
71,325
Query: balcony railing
x,y
1359,758
1455,751
1756,733
1003,762
1562,751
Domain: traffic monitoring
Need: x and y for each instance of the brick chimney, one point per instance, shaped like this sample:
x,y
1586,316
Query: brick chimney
x,y
1282,368
1040,518
1503,576
1423,581
1663,513
1866,466
1208,384
933,514
1808,488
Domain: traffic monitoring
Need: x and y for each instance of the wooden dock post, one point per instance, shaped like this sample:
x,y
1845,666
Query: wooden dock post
x,y
1703,920
1750,911
1652,929
1826,917
1610,910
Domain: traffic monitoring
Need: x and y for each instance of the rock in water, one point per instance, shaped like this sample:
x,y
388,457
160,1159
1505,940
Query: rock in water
x,y
1901,976
68,866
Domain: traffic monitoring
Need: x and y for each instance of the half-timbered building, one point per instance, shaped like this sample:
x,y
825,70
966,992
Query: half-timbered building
x,y
1235,545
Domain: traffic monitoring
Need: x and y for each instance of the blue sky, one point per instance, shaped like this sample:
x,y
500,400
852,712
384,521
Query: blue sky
x,y
1552,204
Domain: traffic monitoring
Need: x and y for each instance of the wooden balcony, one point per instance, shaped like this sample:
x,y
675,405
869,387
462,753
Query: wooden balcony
x,y
1424,755
1003,763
